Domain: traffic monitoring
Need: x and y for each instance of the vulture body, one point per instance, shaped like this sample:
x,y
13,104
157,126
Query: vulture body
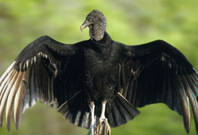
x,y
99,83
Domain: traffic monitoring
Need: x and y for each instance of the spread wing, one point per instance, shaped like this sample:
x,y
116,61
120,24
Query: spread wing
x,y
157,72
39,74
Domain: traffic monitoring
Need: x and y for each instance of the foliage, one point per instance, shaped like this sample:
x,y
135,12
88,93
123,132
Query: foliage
x,y
128,21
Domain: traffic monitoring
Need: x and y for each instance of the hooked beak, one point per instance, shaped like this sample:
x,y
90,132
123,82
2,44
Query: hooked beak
x,y
85,24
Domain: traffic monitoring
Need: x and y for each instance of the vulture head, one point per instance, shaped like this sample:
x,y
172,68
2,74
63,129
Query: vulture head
x,y
96,22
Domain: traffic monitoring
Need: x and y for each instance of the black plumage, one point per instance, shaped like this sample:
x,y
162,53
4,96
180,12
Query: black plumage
x,y
99,78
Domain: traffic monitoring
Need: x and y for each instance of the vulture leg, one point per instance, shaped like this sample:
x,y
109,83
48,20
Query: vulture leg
x,y
103,128
102,117
93,124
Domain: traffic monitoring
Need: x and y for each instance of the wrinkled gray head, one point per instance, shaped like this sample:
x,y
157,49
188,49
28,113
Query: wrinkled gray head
x,y
96,22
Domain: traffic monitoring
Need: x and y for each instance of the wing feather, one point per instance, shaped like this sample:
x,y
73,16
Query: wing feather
x,y
5,96
11,97
185,104
5,83
161,74
19,100
6,72
39,73
193,102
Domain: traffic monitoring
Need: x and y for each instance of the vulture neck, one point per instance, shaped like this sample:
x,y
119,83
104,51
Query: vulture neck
x,y
104,46
97,31
104,42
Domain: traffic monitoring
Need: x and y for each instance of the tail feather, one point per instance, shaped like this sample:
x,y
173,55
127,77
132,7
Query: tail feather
x,y
119,111
76,111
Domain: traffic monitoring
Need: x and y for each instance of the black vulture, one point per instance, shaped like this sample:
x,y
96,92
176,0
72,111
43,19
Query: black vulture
x,y
99,83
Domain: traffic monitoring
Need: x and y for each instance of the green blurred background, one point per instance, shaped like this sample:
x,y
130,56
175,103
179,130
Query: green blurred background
x,y
128,21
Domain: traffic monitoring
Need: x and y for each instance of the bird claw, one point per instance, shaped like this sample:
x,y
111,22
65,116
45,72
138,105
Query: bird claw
x,y
103,128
